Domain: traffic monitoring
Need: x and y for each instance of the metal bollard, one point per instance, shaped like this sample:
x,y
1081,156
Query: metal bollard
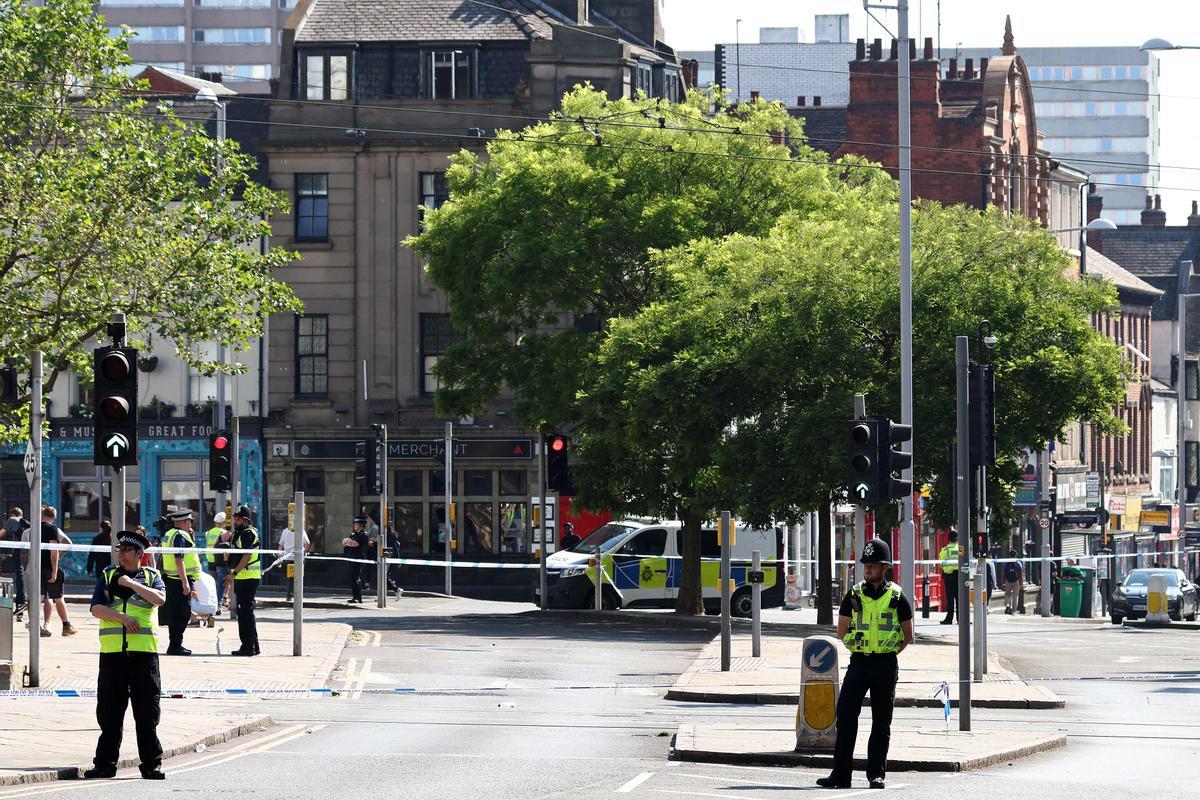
x,y
599,585
756,581
925,597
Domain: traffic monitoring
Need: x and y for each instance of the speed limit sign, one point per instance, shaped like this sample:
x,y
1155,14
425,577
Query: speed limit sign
x,y
1043,522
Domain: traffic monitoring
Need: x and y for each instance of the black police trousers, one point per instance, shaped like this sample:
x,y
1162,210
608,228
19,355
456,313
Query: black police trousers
x,y
128,679
878,675
178,611
355,577
244,591
950,593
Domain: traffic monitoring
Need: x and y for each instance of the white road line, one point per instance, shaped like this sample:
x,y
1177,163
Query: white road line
x,y
785,770
865,791
636,782
249,748
774,785
702,794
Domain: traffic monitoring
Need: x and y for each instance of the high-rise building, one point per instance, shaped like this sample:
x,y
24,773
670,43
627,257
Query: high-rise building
x,y
779,66
1098,107
237,38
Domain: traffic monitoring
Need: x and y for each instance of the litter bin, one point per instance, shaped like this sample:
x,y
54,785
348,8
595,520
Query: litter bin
x,y
1086,608
1070,596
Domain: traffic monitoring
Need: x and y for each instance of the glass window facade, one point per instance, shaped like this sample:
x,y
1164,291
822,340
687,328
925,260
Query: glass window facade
x,y
231,35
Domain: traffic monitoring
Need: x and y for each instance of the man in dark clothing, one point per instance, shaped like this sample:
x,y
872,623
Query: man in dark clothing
x,y
876,623
569,539
355,546
179,570
245,573
96,560
14,528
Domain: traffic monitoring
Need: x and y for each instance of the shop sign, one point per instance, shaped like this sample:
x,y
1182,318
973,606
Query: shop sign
x,y
1156,517
416,449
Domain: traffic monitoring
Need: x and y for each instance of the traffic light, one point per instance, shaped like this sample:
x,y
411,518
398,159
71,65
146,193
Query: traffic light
x,y
220,461
862,479
558,468
371,477
982,415
890,461
115,410
8,385
979,545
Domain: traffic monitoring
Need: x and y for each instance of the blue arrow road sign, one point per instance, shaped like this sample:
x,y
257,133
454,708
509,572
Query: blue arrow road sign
x,y
820,656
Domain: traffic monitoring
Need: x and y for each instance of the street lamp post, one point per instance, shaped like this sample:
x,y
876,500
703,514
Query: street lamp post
x,y
1097,224
1155,44
737,46
1185,274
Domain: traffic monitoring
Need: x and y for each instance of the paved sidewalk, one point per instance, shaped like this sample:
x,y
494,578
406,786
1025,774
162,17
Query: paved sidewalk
x,y
775,677
46,738
912,749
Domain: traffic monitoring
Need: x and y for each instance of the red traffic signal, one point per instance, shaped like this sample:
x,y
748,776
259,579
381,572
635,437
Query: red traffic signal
x,y
115,366
219,442
220,468
115,406
558,444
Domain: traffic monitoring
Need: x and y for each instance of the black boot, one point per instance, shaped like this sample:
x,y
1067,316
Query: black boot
x,y
100,772
833,783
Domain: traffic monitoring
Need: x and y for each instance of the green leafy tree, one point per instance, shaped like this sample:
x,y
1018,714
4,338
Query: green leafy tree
x,y
110,205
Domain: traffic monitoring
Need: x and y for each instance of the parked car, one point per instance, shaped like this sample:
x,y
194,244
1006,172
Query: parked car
x,y
1129,599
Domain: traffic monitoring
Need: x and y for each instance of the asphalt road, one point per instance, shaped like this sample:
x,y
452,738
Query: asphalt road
x,y
509,706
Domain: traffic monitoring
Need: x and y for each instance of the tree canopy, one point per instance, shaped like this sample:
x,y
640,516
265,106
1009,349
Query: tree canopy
x,y
744,291
108,204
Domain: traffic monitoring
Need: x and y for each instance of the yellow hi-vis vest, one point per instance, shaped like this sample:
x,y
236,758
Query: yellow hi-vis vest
x,y
114,638
874,623
254,566
210,541
948,555
191,561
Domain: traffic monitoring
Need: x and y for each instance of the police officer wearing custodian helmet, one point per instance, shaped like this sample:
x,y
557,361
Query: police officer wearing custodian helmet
x,y
126,602
875,622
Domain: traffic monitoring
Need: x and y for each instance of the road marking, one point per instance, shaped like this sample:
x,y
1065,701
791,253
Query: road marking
x,y
865,791
361,682
237,751
775,785
702,794
636,782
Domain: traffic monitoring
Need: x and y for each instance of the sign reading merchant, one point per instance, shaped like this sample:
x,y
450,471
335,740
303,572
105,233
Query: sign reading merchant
x,y
420,449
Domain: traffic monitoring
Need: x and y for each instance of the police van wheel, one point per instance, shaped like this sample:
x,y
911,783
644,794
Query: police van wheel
x,y
608,601
742,604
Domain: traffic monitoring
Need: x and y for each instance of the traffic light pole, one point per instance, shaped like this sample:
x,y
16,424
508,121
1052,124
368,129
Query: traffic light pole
x,y
542,583
981,580
448,483
860,513
963,498
33,574
726,625
219,420
381,547
299,526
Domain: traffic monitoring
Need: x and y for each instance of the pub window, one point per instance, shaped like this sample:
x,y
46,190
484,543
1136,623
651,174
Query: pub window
x,y
435,190
449,75
437,334
514,482
311,482
312,207
408,483
326,76
479,482
1191,371
312,355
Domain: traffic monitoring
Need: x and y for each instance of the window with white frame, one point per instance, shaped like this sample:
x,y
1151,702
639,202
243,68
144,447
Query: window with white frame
x,y
450,74
253,72
150,33
231,35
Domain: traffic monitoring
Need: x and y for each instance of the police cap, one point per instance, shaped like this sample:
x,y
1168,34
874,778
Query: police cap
x,y
182,515
132,539
243,512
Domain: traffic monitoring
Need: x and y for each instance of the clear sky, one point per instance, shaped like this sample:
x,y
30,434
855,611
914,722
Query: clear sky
x,y
699,24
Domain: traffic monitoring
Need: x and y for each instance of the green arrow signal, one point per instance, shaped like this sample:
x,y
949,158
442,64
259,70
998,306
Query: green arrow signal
x,y
862,490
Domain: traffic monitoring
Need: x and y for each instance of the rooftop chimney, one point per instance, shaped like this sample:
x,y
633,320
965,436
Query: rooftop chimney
x,y
800,101
1095,205
982,67
927,53
1153,215
952,72
574,10
877,50
969,70
860,50
1194,217
893,51
816,99
753,96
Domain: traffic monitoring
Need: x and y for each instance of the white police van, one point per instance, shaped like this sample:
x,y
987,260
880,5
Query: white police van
x,y
642,562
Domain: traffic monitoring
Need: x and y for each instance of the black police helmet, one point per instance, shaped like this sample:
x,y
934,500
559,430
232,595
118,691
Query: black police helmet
x,y
877,551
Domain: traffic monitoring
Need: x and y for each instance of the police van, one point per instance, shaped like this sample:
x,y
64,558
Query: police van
x,y
643,562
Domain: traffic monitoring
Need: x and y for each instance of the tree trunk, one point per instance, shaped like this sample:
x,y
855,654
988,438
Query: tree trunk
x,y
825,565
690,600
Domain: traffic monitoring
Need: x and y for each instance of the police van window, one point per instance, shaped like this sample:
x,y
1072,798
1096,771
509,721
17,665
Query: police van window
x,y
606,537
646,543
709,548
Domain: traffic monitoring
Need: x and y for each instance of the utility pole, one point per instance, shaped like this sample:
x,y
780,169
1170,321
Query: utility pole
x,y
963,497
540,446
299,526
33,574
447,485
860,512
381,443
1045,518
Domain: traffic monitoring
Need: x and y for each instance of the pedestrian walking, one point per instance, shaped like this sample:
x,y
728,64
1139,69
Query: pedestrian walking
x,y
219,571
991,584
948,556
287,543
148,559
53,579
224,542
126,601
372,555
355,546
178,572
243,578
876,623
12,560
1014,585
97,560
393,551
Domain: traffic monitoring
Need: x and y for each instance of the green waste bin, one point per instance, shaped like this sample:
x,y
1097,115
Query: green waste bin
x,y
1070,596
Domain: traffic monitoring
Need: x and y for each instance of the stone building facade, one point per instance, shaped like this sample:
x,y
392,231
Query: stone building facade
x,y
377,100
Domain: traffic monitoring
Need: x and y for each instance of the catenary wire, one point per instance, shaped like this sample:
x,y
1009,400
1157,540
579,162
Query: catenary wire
x,y
645,148
714,128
